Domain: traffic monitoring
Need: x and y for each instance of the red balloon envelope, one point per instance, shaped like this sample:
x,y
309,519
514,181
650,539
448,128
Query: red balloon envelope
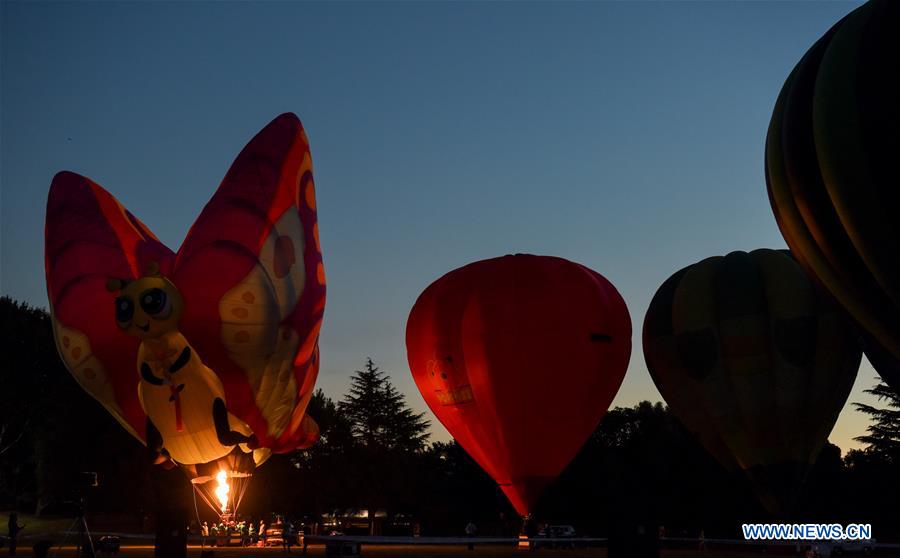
x,y
519,358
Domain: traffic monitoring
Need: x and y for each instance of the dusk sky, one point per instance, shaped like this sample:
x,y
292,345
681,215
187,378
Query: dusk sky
x,y
626,136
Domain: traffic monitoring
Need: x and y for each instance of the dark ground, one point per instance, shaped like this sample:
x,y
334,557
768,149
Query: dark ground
x,y
389,551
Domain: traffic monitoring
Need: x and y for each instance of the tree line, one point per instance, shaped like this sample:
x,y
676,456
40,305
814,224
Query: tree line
x,y
375,453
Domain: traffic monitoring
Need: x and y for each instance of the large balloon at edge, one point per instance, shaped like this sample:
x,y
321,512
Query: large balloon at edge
x,y
233,316
831,172
755,362
519,357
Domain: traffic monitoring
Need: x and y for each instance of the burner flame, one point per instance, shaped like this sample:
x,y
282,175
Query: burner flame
x,y
222,489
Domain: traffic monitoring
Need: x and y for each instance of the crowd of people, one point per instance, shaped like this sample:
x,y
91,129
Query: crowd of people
x,y
248,532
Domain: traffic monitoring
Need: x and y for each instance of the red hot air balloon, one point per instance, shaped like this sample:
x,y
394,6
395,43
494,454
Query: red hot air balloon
x,y
519,358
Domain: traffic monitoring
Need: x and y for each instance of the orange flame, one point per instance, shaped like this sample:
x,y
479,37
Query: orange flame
x,y
222,489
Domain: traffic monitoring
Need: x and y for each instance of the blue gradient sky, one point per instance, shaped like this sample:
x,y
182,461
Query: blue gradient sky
x,y
627,136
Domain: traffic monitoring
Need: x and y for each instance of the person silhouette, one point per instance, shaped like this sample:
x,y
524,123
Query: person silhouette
x,y
287,534
14,529
471,529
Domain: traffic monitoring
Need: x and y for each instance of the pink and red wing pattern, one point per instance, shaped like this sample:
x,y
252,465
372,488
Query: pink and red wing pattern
x,y
250,271
90,238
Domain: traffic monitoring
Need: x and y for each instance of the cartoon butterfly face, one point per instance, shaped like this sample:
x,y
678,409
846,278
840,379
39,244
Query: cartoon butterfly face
x,y
450,385
148,307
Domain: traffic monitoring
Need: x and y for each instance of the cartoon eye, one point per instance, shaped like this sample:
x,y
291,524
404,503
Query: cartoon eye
x,y
156,303
124,310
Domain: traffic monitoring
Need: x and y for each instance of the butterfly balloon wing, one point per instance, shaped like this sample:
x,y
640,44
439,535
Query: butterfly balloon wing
x,y
251,274
91,238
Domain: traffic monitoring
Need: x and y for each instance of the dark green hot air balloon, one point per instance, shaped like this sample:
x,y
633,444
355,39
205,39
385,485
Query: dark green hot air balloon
x,y
756,362
831,170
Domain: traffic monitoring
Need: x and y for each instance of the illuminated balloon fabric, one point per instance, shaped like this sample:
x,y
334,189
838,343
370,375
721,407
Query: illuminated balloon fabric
x,y
250,278
831,171
519,358
86,230
755,361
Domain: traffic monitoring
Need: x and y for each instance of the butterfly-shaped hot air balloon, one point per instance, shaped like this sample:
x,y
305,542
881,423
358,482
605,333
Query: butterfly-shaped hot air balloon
x,y
519,358
208,355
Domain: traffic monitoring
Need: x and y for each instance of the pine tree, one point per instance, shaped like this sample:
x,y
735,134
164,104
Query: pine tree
x,y
378,413
883,438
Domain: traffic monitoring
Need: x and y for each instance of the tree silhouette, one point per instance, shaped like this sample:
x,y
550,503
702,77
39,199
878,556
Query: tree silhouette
x,y
883,438
390,439
640,464
378,414
52,430
335,430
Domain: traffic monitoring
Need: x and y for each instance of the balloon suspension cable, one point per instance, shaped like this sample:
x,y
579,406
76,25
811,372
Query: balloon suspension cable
x,y
243,490
239,484
197,512
230,500
206,499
